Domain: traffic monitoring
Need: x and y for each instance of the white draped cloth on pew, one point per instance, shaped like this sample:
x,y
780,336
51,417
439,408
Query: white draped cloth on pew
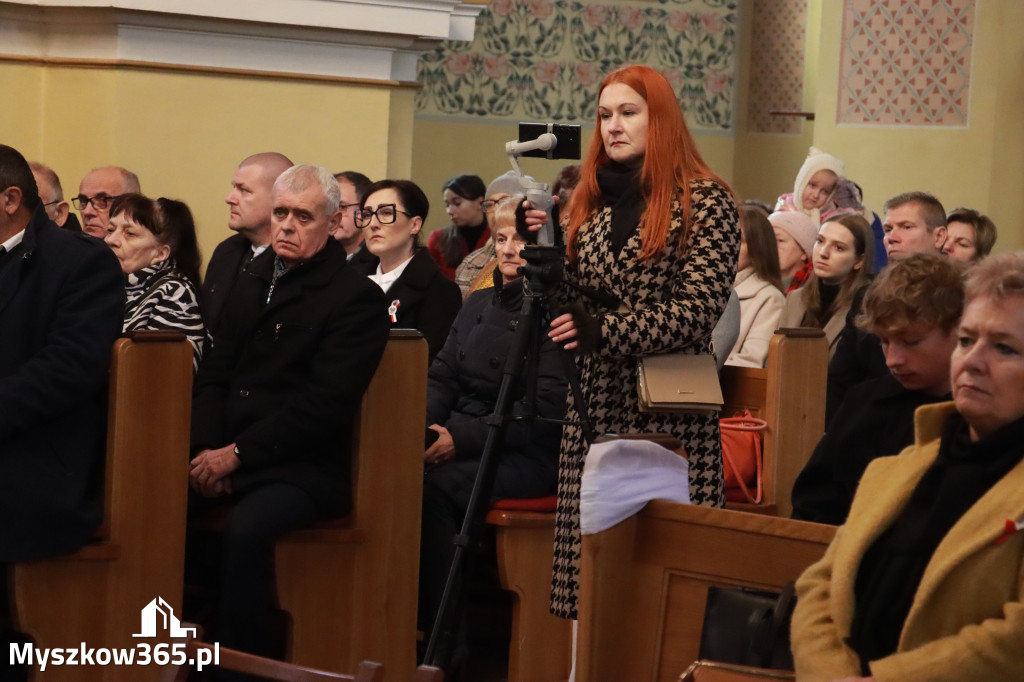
x,y
621,476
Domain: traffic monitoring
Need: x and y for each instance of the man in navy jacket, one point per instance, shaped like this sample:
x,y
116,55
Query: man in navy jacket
x,y
61,309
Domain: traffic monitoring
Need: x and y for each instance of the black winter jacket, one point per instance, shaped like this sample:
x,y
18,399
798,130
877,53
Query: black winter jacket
x,y
465,377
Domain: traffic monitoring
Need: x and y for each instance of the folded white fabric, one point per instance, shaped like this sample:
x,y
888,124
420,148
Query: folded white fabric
x,y
621,476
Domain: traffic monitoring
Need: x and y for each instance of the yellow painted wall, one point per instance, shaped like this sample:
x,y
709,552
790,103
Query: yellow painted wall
x,y
981,165
20,114
184,133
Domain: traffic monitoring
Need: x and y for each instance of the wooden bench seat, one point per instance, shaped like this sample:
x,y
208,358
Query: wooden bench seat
x,y
96,595
789,394
351,586
541,644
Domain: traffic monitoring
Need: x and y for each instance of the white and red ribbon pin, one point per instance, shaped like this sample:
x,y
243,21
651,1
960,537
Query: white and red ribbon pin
x,y
1009,530
393,310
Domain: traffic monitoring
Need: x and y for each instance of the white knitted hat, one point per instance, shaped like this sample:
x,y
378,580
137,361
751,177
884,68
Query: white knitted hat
x,y
800,226
817,160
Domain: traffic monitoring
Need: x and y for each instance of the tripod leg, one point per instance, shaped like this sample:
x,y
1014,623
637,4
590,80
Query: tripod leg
x,y
467,541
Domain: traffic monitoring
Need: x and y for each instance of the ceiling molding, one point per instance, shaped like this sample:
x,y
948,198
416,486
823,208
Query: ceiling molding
x,y
368,40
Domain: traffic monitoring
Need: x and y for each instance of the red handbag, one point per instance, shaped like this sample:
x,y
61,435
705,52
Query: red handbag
x,y
741,456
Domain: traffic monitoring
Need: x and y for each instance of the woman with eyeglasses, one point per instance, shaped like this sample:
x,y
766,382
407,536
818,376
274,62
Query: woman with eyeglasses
x,y
419,295
155,241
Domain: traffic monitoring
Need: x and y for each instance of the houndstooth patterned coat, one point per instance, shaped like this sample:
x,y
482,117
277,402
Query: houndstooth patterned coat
x,y
676,300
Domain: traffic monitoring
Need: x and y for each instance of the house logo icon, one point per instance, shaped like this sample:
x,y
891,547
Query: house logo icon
x,y
159,613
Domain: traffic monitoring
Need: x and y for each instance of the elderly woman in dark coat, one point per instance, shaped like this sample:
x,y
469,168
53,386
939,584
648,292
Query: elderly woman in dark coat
x,y
463,387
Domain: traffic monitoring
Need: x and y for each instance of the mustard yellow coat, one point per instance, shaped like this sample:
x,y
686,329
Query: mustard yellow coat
x,y
967,618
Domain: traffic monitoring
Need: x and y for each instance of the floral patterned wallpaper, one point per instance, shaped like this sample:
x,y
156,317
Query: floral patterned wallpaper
x,y
544,59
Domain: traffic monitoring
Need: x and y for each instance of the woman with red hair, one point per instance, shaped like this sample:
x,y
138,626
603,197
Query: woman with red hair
x,y
652,225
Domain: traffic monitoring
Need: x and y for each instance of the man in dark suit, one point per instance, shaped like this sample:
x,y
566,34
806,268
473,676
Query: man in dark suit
x,y
353,186
51,194
61,309
250,200
273,410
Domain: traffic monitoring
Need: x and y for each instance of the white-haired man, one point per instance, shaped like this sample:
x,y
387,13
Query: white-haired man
x,y
274,402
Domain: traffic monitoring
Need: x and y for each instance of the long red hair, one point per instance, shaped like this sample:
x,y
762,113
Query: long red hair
x,y
671,161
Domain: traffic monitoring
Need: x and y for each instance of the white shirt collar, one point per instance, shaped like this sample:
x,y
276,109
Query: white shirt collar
x,y
384,281
13,241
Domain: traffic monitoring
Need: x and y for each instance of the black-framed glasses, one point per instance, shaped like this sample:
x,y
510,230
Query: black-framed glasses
x,y
52,203
386,214
101,202
345,207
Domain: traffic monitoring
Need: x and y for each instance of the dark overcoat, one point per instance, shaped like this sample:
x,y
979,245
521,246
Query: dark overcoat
x,y
463,385
285,379
222,271
424,299
61,309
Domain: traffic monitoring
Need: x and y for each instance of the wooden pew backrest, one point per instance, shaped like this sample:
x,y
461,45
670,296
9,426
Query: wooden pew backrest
x,y
96,595
643,582
352,591
789,394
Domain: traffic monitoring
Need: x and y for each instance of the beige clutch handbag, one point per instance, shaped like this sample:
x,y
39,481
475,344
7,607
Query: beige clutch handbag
x,y
678,382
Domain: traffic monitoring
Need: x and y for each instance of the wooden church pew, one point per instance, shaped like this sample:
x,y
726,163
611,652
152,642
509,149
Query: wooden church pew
x,y
96,595
351,588
541,646
789,394
643,582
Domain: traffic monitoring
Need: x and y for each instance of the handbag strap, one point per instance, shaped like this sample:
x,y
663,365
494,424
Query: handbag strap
x,y
770,627
744,423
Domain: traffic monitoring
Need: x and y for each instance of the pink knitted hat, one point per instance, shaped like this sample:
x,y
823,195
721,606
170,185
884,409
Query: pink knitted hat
x,y
800,226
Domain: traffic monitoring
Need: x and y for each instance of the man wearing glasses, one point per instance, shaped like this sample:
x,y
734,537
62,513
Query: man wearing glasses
x,y
353,186
249,216
97,191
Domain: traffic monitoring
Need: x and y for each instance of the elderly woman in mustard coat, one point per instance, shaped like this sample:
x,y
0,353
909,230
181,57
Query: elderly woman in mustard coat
x,y
925,580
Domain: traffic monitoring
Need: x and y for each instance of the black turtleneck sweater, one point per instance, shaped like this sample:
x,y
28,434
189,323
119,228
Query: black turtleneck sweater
x,y
893,566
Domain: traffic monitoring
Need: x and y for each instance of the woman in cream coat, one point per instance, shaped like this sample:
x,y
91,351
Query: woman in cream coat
x,y
759,288
924,581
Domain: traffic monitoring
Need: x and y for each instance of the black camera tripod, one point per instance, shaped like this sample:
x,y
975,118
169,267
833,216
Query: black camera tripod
x,y
543,273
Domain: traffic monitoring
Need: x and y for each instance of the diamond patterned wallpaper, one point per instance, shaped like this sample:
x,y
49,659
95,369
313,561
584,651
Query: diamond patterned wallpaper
x,y
777,69
906,63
